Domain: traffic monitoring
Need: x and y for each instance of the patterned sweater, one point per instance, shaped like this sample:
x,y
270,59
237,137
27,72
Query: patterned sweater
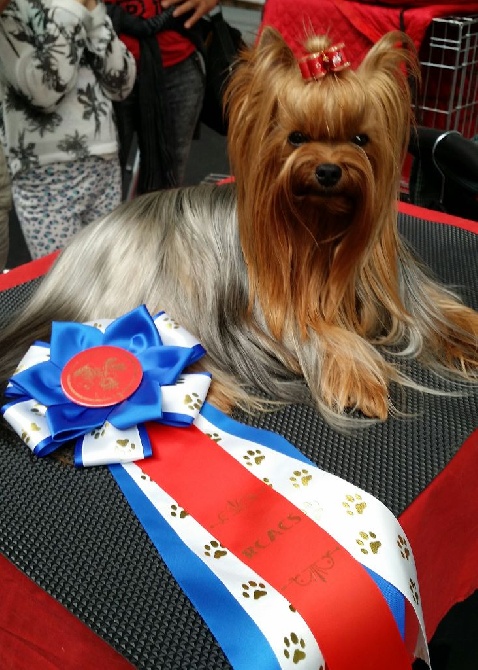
x,y
60,68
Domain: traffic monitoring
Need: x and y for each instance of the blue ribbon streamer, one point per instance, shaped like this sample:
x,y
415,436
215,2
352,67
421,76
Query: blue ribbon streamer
x,y
222,613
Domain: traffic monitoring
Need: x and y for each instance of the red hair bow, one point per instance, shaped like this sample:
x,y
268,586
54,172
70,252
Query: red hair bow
x,y
317,65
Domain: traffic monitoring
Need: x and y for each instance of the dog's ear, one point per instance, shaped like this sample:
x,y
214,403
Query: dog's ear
x,y
391,73
271,44
263,67
269,37
270,59
393,53
392,63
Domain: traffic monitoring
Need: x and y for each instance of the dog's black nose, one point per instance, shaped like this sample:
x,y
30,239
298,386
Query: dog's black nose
x,y
328,174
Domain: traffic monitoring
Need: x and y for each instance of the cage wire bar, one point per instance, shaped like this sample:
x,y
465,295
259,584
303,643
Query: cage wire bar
x,y
449,64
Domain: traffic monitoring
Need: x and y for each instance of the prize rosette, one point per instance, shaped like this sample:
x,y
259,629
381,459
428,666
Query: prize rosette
x,y
98,383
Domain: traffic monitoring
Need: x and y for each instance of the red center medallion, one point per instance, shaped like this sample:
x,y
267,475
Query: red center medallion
x,y
101,376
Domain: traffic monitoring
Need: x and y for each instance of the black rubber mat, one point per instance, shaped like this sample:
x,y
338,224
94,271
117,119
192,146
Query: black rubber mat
x,y
73,533
14,299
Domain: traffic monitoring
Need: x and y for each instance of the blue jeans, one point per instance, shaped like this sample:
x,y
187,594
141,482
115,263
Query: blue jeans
x,y
185,85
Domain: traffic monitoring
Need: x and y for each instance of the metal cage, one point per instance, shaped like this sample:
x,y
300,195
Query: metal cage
x,y
449,63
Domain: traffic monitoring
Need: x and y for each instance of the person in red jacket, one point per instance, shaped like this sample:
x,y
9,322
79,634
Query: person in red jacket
x,y
166,102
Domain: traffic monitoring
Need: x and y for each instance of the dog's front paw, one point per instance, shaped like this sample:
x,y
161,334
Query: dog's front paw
x,y
356,382
373,404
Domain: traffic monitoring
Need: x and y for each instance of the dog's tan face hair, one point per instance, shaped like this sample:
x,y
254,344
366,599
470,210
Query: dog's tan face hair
x,y
317,166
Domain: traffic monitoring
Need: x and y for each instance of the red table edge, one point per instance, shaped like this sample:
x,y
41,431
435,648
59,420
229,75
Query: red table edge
x,y
36,631
435,527
437,217
27,272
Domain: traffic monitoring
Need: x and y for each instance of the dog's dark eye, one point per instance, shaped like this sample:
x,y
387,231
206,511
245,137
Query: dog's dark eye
x,y
360,140
297,139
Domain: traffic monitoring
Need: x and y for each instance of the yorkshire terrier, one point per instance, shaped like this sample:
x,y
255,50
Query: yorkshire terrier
x,y
296,272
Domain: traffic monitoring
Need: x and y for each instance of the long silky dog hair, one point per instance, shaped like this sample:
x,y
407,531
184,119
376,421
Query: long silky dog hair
x,y
297,284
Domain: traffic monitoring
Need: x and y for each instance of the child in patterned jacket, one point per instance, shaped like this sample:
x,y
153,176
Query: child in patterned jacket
x,y
61,66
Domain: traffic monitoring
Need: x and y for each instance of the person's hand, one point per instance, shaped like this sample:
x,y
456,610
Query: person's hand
x,y
90,4
198,7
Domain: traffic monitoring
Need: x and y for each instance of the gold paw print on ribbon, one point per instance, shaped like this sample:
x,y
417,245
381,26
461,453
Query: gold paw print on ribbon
x,y
215,437
255,590
253,456
267,481
414,591
170,323
294,648
146,478
354,504
26,434
193,401
368,539
99,432
125,445
38,409
179,511
214,549
403,546
300,478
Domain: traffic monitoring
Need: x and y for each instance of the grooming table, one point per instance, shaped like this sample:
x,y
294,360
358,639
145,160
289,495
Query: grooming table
x,y
83,587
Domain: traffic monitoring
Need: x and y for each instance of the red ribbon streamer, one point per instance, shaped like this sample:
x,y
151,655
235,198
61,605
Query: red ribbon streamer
x,y
339,601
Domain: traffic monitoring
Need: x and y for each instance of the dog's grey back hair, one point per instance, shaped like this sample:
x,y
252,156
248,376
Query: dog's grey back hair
x,y
176,250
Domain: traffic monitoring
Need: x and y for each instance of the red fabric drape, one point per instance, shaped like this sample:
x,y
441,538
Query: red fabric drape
x,y
358,24
37,633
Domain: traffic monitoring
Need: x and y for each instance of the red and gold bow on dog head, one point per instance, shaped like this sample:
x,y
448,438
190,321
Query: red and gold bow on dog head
x,y
317,65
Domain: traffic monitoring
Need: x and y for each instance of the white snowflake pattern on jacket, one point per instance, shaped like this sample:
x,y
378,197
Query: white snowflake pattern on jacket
x,y
61,66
